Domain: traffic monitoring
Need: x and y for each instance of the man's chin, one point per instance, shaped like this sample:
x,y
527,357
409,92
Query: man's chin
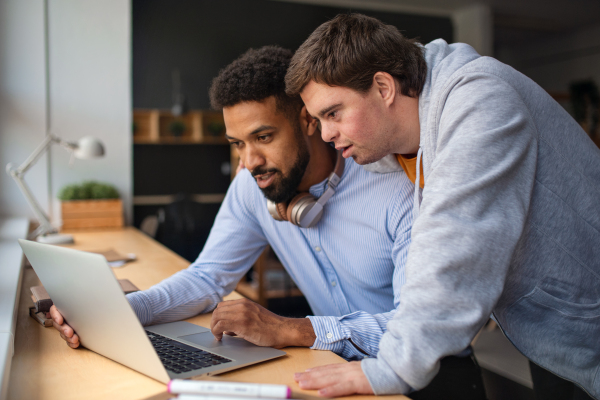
x,y
361,160
364,159
274,194
277,197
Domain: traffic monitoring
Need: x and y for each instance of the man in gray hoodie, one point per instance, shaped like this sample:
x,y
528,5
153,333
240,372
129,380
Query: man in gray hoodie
x,y
507,214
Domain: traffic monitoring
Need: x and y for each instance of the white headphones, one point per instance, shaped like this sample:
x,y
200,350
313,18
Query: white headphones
x,y
304,209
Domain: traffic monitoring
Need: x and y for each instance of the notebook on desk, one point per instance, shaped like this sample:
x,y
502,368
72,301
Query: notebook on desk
x,y
78,281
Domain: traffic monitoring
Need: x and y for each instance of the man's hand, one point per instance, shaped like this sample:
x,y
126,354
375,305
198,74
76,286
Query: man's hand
x,y
66,332
335,380
260,326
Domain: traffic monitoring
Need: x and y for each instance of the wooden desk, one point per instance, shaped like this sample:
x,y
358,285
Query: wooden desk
x,y
44,367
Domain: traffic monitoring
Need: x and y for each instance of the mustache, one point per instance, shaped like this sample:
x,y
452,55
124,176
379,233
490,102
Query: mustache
x,y
262,171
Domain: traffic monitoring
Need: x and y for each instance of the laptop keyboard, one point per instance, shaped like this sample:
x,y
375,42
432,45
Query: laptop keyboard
x,y
179,357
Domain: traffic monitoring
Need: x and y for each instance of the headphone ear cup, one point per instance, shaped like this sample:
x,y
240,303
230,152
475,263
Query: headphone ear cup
x,y
292,209
282,211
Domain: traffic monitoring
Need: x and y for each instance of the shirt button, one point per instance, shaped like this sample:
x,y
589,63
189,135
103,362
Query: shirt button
x,y
317,248
333,283
329,335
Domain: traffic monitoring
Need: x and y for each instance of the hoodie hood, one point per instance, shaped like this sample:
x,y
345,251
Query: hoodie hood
x,y
443,60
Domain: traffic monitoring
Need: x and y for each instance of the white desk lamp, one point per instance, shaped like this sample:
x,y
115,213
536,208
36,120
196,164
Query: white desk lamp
x,y
85,148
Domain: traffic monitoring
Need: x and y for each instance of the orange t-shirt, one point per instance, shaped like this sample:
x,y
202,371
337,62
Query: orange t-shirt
x,y
409,165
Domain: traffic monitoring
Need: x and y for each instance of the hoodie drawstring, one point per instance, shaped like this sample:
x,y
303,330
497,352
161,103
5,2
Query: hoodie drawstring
x,y
417,198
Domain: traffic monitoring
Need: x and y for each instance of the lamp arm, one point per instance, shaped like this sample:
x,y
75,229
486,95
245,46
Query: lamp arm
x,y
45,225
37,153
18,173
41,149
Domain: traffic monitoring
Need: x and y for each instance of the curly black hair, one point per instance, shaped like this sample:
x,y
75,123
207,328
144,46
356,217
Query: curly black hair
x,y
254,76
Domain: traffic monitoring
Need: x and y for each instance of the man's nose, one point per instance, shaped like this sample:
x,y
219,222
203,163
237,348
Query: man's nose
x,y
253,158
328,132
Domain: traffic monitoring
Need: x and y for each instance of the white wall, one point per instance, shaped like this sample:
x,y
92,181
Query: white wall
x,y
22,100
90,93
90,76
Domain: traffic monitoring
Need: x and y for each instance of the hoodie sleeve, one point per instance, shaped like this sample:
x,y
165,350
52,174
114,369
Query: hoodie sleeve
x,y
475,203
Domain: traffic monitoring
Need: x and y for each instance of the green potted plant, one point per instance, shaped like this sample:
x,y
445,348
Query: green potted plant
x,y
90,205
177,128
215,129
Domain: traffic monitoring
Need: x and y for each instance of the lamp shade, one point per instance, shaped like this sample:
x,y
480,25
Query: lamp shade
x,y
88,147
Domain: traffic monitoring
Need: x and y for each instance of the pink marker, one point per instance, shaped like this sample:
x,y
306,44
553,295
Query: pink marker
x,y
232,389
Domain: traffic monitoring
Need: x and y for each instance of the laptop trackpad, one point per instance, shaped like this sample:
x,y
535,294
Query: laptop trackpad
x,y
206,339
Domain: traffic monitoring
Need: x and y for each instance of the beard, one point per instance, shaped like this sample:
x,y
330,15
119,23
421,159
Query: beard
x,y
283,188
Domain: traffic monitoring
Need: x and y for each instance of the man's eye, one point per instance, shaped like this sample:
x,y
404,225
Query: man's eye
x,y
263,138
332,114
235,144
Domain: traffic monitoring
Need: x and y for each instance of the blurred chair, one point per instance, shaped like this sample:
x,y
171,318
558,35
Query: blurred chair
x,y
150,224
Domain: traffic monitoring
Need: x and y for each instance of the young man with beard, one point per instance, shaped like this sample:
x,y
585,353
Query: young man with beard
x,y
508,224
349,265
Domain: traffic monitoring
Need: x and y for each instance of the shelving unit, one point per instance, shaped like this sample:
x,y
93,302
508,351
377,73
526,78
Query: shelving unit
x,y
200,127
192,161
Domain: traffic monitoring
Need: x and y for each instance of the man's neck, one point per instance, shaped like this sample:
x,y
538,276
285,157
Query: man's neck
x,y
409,127
321,164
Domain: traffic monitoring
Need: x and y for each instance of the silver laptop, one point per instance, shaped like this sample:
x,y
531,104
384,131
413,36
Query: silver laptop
x,y
85,291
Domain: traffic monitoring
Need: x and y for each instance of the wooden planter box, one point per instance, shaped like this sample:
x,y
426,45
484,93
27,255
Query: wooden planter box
x,y
78,214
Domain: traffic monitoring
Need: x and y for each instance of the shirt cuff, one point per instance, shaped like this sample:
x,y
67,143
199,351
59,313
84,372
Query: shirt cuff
x,y
141,306
329,332
382,378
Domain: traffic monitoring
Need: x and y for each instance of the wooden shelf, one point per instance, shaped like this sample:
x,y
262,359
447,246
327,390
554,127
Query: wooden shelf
x,y
198,127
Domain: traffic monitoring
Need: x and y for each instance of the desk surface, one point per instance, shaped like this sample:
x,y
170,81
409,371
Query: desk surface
x,y
44,367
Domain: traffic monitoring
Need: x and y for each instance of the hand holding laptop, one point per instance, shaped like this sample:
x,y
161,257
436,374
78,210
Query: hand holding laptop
x,y
66,332
256,324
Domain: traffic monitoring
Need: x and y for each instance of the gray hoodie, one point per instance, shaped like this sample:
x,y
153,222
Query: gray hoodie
x,y
509,223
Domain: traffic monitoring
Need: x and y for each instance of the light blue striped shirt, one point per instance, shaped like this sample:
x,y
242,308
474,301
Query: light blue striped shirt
x,y
350,266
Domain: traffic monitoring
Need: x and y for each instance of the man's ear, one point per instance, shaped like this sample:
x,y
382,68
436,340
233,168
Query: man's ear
x,y
308,123
386,86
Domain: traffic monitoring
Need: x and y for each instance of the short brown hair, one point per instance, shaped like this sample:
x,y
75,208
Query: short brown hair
x,y
348,50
